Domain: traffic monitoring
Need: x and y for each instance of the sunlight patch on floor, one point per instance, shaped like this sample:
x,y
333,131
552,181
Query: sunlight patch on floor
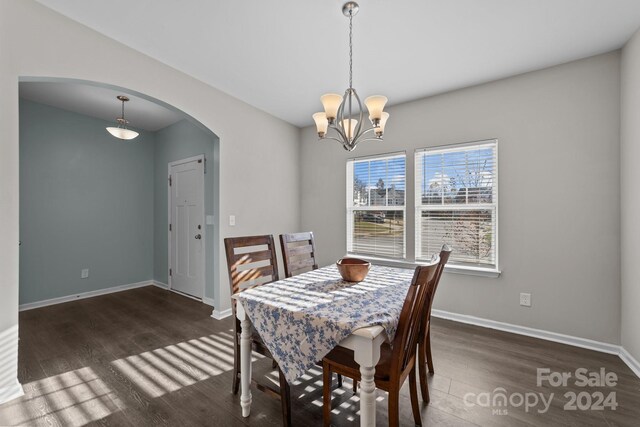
x,y
167,369
73,398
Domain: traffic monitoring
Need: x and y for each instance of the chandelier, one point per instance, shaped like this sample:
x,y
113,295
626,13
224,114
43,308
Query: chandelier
x,y
344,114
121,130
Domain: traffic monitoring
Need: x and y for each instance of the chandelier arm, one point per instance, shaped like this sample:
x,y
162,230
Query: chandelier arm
x,y
371,139
338,124
359,125
333,139
371,129
340,131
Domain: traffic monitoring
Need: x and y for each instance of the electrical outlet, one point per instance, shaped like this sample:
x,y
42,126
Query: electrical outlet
x,y
525,300
232,220
84,273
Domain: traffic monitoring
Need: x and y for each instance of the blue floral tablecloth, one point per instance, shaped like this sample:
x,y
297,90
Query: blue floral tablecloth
x,y
302,318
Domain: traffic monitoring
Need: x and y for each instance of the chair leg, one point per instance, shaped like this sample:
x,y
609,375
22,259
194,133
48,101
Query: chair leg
x,y
355,386
236,365
429,357
422,372
339,381
394,408
326,394
285,399
413,391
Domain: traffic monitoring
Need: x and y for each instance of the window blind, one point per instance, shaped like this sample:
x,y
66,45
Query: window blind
x,y
376,206
457,203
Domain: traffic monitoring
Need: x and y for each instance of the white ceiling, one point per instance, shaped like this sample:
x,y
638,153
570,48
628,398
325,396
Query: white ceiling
x,y
101,103
280,56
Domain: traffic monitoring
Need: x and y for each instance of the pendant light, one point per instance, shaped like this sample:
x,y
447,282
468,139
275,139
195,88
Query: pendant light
x,y
121,130
344,114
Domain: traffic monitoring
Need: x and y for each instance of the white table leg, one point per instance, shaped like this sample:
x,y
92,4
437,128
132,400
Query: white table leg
x,y
245,361
367,355
367,396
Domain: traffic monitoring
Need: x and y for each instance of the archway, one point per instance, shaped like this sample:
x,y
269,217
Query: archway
x,y
38,228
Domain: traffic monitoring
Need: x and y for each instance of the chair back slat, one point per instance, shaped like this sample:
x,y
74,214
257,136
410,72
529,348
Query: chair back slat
x,y
251,261
298,253
408,331
251,257
307,250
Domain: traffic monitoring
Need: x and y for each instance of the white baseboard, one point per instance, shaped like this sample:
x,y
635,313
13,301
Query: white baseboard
x,y
208,301
11,392
160,285
602,347
530,332
631,361
221,314
83,295
10,387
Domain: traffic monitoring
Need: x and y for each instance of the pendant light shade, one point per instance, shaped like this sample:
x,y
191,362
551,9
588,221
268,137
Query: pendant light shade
x,y
121,131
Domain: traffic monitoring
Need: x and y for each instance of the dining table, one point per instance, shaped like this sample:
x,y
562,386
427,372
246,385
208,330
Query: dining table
x,y
302,318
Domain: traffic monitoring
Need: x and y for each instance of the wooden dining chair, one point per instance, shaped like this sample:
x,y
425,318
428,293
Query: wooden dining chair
x,y
299,256
298,253
397,361
251,262
424,344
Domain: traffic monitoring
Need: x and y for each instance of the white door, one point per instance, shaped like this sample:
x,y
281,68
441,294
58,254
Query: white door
x,y
186,219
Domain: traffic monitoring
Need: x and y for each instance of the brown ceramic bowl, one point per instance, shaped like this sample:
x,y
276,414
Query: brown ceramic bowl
x,y
353,269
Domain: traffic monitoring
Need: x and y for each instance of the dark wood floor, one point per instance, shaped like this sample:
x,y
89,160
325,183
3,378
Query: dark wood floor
x,y
148,356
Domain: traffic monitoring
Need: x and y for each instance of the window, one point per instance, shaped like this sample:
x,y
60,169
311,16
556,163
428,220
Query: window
x,y
457,203
376,206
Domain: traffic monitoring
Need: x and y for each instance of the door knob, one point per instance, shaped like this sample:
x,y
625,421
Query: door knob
x,y
198,236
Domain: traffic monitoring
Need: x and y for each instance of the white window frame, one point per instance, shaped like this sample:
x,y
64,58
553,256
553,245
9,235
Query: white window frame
x,y
351,208
419,207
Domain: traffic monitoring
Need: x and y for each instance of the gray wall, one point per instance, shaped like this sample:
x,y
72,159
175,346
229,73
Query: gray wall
x,y
86,202
176,142
558,132
630,181
33,39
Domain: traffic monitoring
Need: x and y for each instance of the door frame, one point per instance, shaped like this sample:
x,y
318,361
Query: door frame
x,y
203,158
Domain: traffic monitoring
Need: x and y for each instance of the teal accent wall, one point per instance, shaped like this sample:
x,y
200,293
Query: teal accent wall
x,y
86,201
89,200
176,142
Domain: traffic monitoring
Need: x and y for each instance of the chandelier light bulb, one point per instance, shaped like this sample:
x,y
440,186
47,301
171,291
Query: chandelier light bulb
x,y
331,102
349,127
321,123
375,104
383,121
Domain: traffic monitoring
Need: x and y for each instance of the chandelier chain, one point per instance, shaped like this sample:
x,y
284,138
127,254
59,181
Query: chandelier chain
x,y
350,50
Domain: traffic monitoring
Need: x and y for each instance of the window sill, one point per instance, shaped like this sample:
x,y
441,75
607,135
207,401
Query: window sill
x,y
469,271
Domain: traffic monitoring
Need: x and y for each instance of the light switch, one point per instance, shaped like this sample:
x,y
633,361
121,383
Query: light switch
x,y
232,220
209,220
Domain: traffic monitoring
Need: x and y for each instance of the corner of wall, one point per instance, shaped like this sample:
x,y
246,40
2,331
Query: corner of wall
x,y
630,201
